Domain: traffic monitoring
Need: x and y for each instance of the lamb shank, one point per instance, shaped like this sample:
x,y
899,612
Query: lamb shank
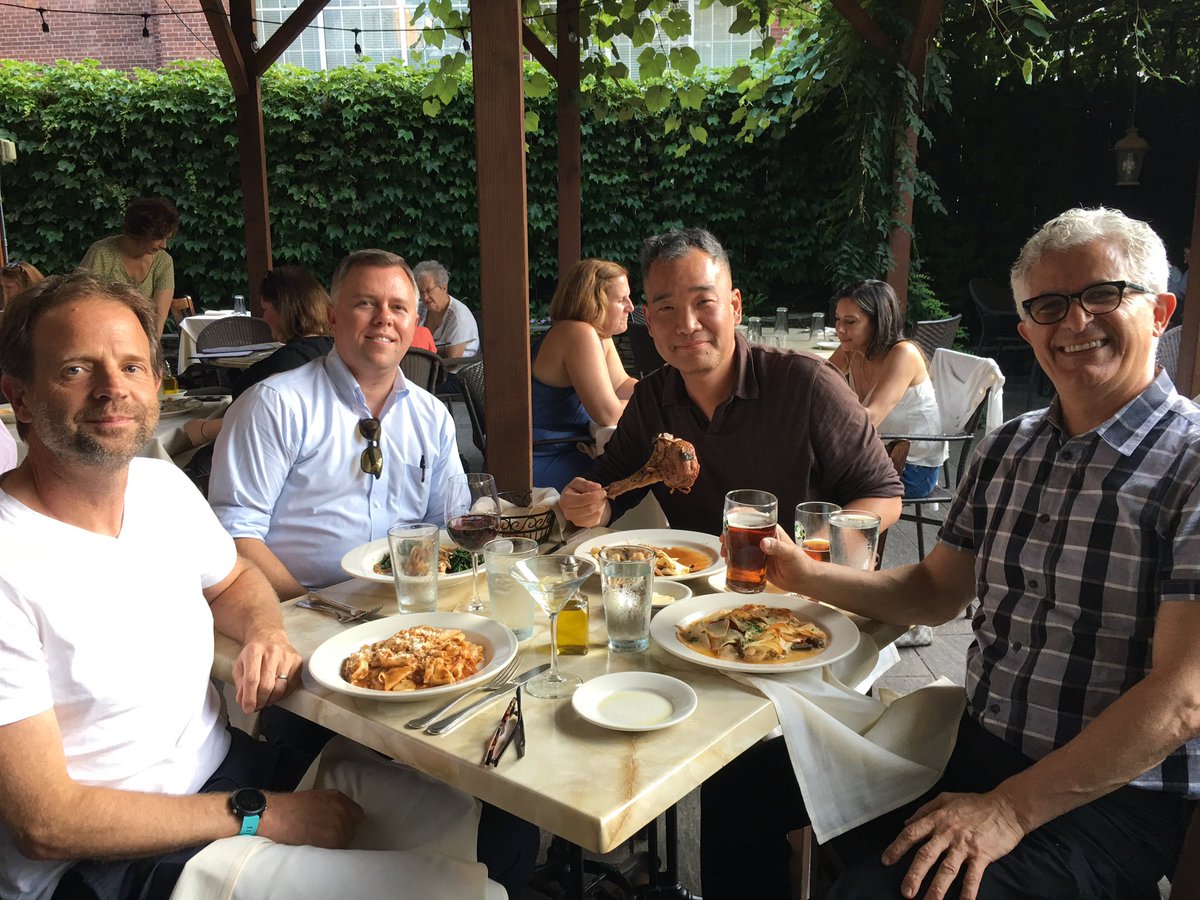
x,y
673,462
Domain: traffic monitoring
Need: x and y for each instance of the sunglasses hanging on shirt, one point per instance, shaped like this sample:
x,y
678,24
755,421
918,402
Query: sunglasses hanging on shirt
x,y
371,460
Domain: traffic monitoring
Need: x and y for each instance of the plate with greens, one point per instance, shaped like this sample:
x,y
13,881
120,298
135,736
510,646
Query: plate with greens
x,y
373,561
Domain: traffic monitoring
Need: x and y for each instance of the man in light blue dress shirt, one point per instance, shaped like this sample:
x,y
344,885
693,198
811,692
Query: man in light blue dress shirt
x,y
316,461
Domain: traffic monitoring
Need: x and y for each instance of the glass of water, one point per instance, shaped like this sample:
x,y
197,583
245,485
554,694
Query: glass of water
x,y
512,605
627,580
414,558
853,534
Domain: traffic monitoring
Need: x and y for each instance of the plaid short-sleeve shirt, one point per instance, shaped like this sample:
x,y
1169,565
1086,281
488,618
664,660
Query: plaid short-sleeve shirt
x,y
1078,540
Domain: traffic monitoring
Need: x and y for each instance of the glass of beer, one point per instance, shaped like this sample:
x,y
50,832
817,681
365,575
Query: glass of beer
x,y
853,534
812,528
750,516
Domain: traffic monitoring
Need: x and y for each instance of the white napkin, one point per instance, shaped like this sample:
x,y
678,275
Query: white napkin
x,y
856,757
600,435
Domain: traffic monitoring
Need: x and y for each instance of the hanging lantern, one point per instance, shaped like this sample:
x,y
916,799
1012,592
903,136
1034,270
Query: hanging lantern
x,y
1130,151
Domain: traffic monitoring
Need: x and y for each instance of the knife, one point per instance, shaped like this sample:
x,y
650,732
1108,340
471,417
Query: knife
x,y
321,602
452,721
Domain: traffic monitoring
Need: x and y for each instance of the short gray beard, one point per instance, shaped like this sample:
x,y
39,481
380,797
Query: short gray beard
x,y
68,443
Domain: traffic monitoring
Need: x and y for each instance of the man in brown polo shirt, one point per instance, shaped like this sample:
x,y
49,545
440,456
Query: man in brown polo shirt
x,y
759,418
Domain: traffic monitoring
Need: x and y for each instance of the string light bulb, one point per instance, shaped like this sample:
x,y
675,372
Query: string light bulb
x,y
145,25
45,25
357,45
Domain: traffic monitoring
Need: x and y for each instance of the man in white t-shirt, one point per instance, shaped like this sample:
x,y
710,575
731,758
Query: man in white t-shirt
x,y
116,765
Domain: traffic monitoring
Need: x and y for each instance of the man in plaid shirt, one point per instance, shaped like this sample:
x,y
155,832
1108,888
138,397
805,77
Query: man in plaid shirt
x,y
1077,764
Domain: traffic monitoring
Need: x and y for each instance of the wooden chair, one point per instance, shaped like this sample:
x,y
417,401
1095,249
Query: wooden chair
x,y
423,368
181,308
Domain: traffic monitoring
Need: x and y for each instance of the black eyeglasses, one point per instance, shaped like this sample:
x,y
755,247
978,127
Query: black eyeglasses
x,y
371,460
1097,299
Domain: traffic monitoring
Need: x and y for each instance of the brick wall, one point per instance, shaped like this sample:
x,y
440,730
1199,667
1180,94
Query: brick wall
x,y
115,41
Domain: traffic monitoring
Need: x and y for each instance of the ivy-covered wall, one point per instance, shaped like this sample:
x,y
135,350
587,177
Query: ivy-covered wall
x,y
354,162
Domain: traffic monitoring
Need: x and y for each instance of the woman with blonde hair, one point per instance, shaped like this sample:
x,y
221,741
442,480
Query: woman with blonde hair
x,y
578,379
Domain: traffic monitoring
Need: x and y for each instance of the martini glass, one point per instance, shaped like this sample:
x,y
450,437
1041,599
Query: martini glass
x,y
551,580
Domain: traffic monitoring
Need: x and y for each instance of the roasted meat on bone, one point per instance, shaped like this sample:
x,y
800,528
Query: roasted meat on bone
x,y
673,462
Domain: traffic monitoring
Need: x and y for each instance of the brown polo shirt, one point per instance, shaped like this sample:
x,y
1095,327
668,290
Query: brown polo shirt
x,y
792,426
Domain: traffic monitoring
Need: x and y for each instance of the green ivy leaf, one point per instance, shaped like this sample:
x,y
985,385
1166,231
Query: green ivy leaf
x,y
657,98
684,60
699,133
532,121
537,83
652,63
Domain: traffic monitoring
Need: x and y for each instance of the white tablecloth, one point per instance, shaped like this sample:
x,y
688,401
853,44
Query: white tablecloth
x,y
189,331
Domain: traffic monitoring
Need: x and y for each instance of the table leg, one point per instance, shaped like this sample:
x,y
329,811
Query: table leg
x,y
664,885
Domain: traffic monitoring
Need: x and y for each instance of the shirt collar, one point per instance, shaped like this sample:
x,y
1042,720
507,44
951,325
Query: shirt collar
x,y
745,379
1128,427
346,386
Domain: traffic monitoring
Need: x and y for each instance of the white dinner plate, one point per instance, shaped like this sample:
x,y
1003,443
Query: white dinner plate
x,y
663,538
177,406
360,562
634,701
843,633
827,345
498,642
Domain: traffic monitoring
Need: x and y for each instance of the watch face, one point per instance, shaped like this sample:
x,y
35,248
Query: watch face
x,y
248,802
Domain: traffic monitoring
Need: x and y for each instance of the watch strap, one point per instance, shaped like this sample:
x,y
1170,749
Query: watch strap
x,y
249,824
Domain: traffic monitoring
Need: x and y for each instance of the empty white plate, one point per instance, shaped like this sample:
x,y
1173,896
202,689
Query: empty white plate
x,y
634,701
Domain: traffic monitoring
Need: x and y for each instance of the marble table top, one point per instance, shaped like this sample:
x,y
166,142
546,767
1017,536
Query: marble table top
x,y
590,785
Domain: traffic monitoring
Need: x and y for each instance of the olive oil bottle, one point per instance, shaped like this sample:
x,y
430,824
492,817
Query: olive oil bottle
x,y
573,626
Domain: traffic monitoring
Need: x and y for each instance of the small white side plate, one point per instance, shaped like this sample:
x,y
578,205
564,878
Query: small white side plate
x,y
634,701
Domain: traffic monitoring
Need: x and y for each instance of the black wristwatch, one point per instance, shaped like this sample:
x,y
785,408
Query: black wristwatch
x,y
248,804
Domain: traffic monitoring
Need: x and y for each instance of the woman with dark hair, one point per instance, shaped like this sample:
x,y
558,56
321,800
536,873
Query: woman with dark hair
x,y
578,378
138,255
890,376
296,307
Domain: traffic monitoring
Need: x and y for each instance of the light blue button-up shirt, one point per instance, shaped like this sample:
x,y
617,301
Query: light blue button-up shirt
x,y
286,466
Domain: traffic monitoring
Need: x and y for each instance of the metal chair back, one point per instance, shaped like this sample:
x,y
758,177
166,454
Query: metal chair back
x,y
997,317
234,331
932,334
646,357
422,368
471,378
1168,351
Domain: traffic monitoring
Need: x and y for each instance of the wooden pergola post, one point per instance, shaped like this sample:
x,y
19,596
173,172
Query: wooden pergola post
x,y
504,242
570,202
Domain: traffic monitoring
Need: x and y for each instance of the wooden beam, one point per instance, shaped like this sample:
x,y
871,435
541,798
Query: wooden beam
x,y
227,47
570,211
252,159
868,29
540,51
295,23
1188,377
503,238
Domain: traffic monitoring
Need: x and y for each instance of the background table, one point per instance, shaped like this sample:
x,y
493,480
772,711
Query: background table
x,y
189,331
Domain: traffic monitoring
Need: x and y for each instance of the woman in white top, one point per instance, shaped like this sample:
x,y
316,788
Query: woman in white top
x,y
890,376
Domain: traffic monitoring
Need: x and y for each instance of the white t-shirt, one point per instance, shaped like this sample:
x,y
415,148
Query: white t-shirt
x,y
116,637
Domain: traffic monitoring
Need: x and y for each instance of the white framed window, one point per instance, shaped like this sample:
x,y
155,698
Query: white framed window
x,y
386,34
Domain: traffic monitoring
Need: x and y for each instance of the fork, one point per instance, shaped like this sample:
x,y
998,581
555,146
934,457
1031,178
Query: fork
x,y
500,680
344,618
